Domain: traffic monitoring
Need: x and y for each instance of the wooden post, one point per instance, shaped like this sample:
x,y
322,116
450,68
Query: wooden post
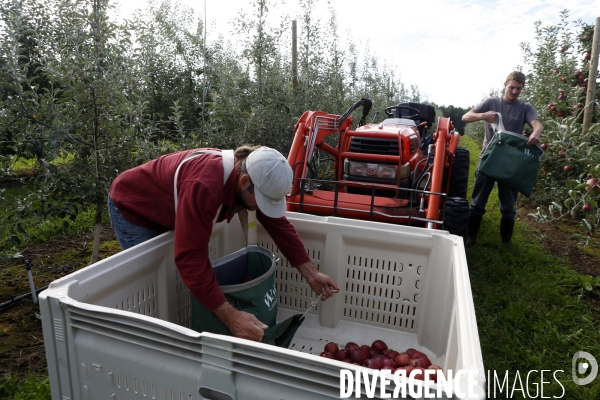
x,y
590,97
294,57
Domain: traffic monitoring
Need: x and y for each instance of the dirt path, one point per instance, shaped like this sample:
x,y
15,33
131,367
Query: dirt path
x,y
21,339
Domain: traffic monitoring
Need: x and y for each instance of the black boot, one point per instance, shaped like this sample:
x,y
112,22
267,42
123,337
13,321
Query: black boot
x,y
473,228
506,230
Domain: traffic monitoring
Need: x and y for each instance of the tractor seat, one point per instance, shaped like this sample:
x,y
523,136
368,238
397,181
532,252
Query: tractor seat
x,y
426,113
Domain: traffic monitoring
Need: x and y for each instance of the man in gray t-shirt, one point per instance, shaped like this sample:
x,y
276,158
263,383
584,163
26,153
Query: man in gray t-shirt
x,y
515,114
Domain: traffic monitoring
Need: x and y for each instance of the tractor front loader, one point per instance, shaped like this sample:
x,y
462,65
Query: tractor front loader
x,y
390,171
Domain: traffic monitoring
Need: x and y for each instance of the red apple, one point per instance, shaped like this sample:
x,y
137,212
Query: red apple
x,y
417,354
593,184
358,356
332,348
402,360
407,369
544,146
370,363
587,56
379,345
568,168
373,353
380,358
410,352
420,362
420,374
587,207
388,363
351,347
342,354
426,361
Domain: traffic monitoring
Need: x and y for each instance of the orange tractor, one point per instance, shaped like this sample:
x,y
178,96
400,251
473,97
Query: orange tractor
x,y
390,171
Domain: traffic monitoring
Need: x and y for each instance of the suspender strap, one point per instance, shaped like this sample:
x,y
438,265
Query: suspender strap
x,y
228,164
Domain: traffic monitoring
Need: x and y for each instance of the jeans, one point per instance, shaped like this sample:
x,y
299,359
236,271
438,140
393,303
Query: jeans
x,y
481,192
128,233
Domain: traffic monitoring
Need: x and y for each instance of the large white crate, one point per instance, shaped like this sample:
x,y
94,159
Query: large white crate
x,y
118,329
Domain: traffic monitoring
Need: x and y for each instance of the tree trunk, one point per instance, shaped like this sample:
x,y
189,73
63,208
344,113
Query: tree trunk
x,y
97,225
591,85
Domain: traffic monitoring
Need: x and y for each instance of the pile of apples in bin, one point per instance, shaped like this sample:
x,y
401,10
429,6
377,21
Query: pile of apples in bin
x,y
378,356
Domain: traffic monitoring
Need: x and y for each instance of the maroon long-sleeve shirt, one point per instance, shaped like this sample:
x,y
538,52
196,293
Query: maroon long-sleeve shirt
x,y
144,195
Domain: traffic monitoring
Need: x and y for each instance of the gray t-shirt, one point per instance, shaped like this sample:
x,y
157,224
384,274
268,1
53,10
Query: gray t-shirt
x,y
514,116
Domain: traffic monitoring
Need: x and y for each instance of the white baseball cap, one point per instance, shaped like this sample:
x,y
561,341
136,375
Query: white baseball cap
x,y
272,178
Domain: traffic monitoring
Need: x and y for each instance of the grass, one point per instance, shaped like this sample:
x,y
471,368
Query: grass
x,y
533,310
31,388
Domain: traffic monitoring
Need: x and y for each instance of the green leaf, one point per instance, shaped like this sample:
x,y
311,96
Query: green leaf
x,y
558,206
569,202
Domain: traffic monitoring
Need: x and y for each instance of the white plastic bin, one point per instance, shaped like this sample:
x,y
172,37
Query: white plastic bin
x,y
118,329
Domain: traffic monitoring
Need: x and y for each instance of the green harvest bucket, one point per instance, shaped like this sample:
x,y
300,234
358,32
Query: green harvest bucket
x,y
247,279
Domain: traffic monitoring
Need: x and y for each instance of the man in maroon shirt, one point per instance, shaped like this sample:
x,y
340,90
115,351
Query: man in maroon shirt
x,y
188,192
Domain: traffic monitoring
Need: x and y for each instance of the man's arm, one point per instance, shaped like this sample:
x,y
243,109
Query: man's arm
x,y
193,227
472,116
287,240
538,128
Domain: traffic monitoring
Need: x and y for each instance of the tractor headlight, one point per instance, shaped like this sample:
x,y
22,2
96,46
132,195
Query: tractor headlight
x,y
387,171
382,171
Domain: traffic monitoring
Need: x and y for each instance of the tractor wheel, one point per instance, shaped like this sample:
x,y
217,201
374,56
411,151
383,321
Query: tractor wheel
x,y
456,215
459,180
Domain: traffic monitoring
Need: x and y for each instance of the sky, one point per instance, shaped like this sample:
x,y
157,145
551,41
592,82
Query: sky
x,y
455,51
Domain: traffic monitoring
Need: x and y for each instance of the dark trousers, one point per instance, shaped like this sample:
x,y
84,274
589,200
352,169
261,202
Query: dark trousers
x,y
481,193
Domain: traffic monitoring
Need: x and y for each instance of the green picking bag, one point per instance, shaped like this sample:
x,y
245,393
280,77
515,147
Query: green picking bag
x,y
247,279
510,162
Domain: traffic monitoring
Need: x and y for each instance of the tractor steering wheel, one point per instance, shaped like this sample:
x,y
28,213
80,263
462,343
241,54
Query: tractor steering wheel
x,y
390,111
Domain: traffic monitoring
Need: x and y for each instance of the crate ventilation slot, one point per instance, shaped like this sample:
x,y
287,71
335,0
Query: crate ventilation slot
x,y
141,302
379,292
143,389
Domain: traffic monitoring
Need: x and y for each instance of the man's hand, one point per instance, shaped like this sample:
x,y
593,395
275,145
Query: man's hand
x,y
538,128
240,323
490,116
318,281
